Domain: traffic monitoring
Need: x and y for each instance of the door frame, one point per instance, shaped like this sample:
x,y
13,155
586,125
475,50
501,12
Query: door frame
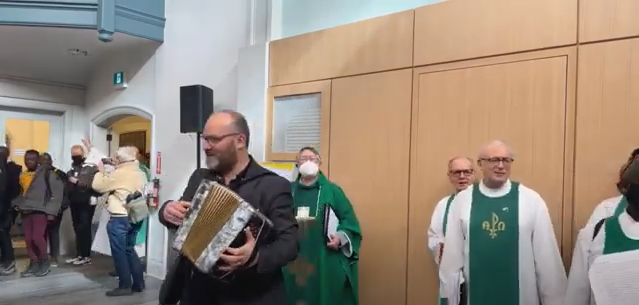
x,y
69,114
156,266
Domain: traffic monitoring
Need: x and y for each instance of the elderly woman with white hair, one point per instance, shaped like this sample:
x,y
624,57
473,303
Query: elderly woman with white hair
x,y
119,185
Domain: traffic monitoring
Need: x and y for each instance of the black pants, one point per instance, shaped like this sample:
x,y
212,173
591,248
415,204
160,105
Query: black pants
x,y
6,246
81,215
53,236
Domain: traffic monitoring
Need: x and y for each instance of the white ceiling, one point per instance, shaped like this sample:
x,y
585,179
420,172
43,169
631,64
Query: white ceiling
x,y
42,53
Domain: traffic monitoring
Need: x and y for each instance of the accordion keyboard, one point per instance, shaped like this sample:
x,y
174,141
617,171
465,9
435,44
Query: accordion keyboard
x,y
216,209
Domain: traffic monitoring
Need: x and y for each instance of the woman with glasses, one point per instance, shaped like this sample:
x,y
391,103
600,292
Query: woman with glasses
x,y
325,271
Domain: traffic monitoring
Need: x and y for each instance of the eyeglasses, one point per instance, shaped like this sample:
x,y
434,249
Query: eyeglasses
x,y
460,172
494,161
213,140
306,159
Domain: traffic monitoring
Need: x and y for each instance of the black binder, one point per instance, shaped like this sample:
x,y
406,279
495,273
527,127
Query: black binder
x,y
326,220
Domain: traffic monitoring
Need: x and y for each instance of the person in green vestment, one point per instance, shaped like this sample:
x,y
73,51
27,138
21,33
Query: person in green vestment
x,y
461,174
612,235
500,241
615,205
325,272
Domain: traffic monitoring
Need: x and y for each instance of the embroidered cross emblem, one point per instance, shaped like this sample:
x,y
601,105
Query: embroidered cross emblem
x,y
302,269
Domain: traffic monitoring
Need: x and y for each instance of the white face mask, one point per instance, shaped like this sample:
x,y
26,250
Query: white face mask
x,y
309,169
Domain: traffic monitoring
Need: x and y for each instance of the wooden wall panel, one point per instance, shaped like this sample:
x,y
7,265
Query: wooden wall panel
x,y
521,99
369,158
379,44
608,104
460,29
609,19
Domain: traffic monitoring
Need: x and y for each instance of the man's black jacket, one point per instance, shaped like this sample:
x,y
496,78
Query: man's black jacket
x,y
263,283
79,193
9,187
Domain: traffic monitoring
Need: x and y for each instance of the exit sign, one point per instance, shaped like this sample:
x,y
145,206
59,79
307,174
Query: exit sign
x,y
119,82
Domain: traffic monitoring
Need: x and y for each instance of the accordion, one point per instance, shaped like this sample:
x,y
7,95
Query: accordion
x,y
216,221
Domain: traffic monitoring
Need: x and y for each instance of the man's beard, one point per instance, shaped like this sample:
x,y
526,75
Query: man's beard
x,y
222,163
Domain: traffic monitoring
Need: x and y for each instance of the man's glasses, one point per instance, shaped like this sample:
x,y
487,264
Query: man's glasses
x,y
306,159
213,140
494,161
458,173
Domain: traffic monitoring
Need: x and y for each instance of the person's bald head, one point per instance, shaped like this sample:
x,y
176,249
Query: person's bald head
x,y
495,159
460,172
77,151
229,121
496,147
225,137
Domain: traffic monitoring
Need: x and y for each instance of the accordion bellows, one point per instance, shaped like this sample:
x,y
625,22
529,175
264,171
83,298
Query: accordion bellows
x,y
216,217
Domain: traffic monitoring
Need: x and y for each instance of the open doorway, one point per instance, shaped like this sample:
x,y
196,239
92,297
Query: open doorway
x,y
123,130
31,129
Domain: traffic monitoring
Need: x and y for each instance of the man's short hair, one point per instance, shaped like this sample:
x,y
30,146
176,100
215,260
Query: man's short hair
x,y
31,152
240,124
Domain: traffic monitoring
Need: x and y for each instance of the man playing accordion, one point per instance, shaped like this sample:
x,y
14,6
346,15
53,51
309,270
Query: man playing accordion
x,y
253,263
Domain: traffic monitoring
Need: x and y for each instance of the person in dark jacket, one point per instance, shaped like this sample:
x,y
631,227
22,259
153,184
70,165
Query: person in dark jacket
x,y
9,190
40,202
257,265
53,227
82,210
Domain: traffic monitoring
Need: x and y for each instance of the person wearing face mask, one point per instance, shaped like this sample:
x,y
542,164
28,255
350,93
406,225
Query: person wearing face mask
x,y
500,241
333,256
9,190
82,210
53,227
460,175
615,234
614,205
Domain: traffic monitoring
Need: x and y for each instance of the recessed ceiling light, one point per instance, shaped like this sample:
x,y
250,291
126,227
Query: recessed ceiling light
x,y
78,52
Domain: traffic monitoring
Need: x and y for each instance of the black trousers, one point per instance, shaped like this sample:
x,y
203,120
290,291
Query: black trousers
x,y
81,215
53,236
6,246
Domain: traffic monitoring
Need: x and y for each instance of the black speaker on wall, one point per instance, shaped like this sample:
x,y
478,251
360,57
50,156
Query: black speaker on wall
x,y
196,105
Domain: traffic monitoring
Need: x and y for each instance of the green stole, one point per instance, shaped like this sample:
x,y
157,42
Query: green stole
x,y
621,206
493,263
319,275
616,240
444,301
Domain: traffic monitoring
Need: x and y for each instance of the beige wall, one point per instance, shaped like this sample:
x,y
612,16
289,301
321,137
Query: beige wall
x,y
410,90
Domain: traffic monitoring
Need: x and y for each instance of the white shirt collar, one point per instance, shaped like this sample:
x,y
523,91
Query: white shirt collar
x,y
499,192
629,226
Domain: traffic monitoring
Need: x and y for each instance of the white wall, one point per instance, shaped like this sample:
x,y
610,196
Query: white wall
x,y
27,94
251,99
304,16
202,39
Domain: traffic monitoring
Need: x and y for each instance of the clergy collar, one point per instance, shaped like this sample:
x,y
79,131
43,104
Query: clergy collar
x,y
502,191
629,226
